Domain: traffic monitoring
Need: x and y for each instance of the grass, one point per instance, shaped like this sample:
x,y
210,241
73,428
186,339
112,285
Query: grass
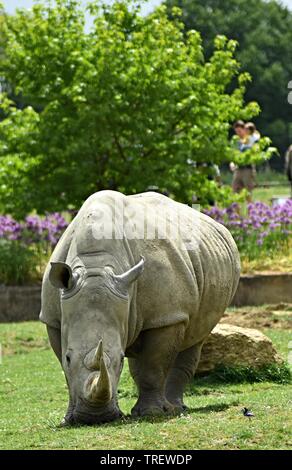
x,y
33,399
264,176
279,373
266,194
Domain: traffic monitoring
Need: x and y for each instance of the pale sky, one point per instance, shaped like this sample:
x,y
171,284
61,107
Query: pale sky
x,y
10,5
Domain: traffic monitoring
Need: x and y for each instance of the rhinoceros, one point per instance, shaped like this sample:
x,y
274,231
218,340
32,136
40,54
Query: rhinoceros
x,y
142,277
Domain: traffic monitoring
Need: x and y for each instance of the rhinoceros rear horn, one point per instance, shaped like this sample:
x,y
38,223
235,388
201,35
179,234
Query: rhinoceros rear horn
x,y
61,275
123,281
92,360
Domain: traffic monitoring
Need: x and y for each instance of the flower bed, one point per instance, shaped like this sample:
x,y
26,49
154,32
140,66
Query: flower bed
x,y
25,246
34,229
262,231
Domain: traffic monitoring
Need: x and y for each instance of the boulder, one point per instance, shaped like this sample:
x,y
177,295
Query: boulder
x,y
235,346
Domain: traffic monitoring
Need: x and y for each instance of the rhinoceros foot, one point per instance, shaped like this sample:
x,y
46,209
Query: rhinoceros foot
x,y
152,408
67,421
179,406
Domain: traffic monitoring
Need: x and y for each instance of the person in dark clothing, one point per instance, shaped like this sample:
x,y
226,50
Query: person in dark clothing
x,y
288,165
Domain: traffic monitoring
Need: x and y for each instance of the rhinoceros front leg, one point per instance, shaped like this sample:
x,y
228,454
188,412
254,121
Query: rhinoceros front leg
x,y
54,335
150,368
181,373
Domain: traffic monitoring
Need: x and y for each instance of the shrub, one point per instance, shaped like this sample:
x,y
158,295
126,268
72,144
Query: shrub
x,y
279,373
135,96
26,246
18,262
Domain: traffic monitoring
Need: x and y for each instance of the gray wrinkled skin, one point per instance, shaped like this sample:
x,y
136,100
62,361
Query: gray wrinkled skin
x,y
153,301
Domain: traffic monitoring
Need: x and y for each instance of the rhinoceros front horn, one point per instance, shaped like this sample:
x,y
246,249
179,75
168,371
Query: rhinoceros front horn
x,y
98,386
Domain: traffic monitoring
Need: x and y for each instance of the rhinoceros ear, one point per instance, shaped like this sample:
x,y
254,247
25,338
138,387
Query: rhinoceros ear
x,y
61,275
123,281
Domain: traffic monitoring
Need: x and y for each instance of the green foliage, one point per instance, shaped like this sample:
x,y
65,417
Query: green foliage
x,y
15,262
124,107
20,263
260,152
263,30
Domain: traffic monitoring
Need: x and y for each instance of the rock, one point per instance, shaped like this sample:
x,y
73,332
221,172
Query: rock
x,y
232,345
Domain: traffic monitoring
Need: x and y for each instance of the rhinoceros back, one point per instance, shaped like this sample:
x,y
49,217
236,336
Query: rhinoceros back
x,y
193,272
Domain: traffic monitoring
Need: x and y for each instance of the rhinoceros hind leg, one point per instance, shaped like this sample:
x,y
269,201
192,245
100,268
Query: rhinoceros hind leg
x,y
150,369
180,375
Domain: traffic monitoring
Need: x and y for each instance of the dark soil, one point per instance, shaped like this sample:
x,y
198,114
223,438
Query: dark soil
x,y
266,316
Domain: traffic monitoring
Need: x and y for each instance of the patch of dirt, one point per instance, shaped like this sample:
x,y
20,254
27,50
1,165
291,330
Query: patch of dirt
x,y
267,316
14,344
263,272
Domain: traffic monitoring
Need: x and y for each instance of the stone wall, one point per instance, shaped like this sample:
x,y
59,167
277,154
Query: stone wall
x,y
262,289
19,303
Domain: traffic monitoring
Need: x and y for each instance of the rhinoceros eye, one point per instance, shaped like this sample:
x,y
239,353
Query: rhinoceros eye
x,y
74,280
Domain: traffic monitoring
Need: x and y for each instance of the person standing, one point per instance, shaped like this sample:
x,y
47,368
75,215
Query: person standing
x,y
243,175
288,165
252,132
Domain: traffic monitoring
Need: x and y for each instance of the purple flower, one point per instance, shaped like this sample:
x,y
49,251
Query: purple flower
x,y
261,223
34,229
264,234
9,228
274,226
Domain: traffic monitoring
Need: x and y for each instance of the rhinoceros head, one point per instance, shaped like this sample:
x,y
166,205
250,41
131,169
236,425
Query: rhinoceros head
x,y
95,314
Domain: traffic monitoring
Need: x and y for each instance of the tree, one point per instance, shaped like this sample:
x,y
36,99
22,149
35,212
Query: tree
x,y
263,30
2,85
124,106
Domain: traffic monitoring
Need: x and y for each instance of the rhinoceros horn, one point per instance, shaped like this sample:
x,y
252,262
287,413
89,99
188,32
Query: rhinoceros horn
x,y
98,386
92,360
123,281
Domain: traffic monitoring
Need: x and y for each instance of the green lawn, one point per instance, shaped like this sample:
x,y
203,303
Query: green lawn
x,y
266,194
33,399
279,186
264,176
